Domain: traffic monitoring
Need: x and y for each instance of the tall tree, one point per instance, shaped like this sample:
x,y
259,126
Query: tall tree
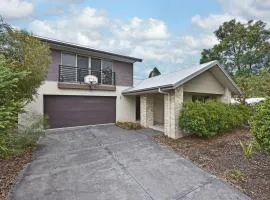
x,y
243,48
27,54
154,72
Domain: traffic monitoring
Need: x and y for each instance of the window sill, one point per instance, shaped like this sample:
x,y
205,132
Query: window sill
x,y
83,86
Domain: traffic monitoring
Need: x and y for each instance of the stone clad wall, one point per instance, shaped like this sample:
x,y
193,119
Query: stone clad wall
x,y
173,104
178,99
147,110
143,110
166,114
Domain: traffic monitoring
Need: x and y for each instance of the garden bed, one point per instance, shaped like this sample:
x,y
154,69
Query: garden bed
x,y
223,157
10,168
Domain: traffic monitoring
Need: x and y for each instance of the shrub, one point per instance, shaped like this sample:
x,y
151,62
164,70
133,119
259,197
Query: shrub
x,y
129,125
212,117
18,141
9,104
260,125
249,148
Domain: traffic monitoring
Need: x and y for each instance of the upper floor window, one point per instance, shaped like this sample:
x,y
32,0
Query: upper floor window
x,y
107,75
76,67
96,68
68,72
83,67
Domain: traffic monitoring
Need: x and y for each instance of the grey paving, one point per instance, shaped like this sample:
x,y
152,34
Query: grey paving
x,y
106,162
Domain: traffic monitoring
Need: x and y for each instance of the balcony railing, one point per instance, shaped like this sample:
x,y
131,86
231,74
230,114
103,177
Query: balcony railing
x,y
73,74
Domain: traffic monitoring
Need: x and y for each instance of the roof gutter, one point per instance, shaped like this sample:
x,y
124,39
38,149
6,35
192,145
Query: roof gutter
x,y
162,92
167,87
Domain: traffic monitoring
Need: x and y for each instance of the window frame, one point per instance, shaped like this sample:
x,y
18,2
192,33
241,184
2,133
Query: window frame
x,y
89,62
201,98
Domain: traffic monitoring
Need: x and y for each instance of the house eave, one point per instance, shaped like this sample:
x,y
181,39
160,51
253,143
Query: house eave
x,y
66,46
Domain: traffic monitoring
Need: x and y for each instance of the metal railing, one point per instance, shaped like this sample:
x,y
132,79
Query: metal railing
x,y
76,75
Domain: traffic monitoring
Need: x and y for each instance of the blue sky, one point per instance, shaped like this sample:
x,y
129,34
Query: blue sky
x,y
167,34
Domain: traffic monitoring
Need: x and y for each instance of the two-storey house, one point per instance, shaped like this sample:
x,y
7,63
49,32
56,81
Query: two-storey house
x,y
155,102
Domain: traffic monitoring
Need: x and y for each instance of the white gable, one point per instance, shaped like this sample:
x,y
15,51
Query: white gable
x,y
204,83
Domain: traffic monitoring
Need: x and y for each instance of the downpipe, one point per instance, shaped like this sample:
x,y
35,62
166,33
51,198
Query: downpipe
x,y
162,92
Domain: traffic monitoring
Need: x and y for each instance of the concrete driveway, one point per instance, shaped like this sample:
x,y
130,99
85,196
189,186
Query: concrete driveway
x,y
106,162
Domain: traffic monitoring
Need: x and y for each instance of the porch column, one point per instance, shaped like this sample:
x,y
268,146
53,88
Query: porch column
x,y
172,106
167,113
147,110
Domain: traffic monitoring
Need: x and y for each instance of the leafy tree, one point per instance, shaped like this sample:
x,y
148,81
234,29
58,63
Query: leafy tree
x,y
27,54
24,62
256,85
260,124
10,105
243,48
154,72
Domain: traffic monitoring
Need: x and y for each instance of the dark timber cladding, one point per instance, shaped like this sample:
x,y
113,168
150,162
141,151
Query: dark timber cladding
x,y
68,111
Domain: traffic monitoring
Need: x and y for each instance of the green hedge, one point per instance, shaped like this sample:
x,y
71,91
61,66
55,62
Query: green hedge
x,y
212,117
260,125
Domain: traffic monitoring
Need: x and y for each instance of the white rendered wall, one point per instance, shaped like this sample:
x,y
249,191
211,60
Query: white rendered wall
x,y
159,108
125,105
204,83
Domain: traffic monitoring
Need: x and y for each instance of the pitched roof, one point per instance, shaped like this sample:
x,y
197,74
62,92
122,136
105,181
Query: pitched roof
x,y
175,79
57,44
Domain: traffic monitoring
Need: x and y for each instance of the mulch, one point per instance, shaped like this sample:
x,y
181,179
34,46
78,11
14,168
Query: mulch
x,y
223,154
10,168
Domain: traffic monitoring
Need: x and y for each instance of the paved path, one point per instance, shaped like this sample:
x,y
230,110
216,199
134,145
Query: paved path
x,y
106,162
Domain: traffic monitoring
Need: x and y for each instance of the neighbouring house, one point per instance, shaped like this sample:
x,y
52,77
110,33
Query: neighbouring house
x,y
154,102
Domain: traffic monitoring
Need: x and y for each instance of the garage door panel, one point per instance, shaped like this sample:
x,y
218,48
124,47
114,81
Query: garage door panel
x,y
65,111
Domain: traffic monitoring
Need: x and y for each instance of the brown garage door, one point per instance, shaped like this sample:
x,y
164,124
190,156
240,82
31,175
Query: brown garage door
x,y
67,111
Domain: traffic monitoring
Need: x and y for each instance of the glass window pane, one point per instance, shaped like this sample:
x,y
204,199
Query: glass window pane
x,y
69,59
96,68
68,71
106,65
107,72
82,64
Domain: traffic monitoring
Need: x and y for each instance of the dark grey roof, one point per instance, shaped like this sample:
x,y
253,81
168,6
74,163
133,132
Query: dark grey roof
x,y
61,45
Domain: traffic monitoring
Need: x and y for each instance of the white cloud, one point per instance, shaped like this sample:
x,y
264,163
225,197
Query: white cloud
x,y
248,9
91,18
41,28
199,42
144,38
149,29
84,39
240,10
211,22
78,26
15,9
